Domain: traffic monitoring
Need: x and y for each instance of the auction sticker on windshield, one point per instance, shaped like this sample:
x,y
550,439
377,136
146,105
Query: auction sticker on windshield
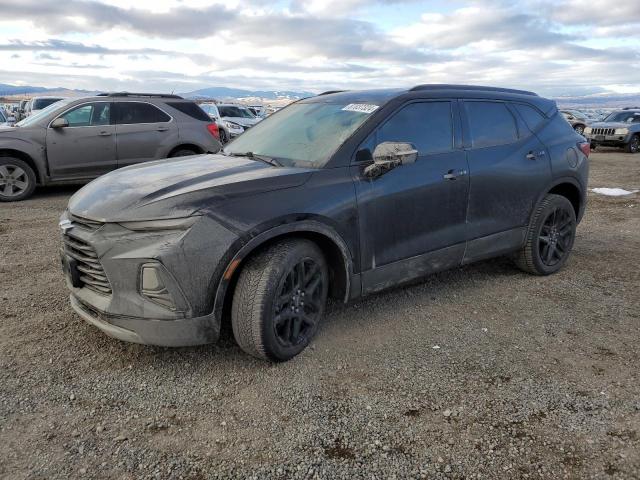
x,y
360,107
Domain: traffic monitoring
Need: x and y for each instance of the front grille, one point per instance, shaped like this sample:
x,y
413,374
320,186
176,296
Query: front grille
x,y
91,272
85,223
603,131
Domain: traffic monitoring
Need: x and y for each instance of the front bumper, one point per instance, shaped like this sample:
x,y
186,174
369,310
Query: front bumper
x,y
611,140
166,333
191,263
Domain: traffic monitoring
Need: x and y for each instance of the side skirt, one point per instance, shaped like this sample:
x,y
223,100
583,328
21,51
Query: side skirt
x,y
403,271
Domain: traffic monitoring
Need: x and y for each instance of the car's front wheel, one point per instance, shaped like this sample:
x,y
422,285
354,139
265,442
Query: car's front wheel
x,y
279,300
634,144
17,179
579,129
550,237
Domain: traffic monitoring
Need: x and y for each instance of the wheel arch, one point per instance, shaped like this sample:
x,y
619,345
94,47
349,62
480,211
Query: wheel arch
x,y
334,248
11,152
568,187
186,146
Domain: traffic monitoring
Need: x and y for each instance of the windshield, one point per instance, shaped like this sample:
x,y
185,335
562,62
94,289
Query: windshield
x,y
625,117
209,108
36,117
303,134
235,112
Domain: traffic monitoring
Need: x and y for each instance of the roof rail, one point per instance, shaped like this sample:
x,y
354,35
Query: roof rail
x,y
329,92
443,86
131,94
631,108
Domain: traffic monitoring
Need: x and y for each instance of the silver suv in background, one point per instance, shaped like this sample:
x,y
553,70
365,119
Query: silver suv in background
x,y
228,129
238,114
36,104
576,119
76,140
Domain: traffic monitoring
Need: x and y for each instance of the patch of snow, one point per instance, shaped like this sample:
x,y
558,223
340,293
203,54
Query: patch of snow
x,y
613,192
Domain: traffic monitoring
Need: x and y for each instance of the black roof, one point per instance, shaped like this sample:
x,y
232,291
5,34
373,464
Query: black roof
x,y
131,94
382,96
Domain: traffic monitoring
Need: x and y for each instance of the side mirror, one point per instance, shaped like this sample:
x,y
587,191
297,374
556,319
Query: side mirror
x,y
60,122
389,155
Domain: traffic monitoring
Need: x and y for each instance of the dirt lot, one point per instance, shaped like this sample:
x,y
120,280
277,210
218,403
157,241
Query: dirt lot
x,y
482,372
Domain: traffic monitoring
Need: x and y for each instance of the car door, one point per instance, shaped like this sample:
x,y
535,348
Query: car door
x,y
412,218
509,167
143,132
85,148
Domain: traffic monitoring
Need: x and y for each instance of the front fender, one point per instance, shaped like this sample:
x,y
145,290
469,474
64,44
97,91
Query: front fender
x,y
243,250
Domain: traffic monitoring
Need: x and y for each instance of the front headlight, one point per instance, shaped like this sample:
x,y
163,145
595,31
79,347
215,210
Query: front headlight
x,y
621,131
232,125
587,130
161,224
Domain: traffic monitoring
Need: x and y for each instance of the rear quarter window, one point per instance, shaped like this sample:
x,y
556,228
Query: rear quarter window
x,y
490,124
190,109
531,116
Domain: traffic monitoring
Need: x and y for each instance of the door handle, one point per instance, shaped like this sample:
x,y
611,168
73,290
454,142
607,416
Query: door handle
x,y
453,174
535,155
104,134
163,129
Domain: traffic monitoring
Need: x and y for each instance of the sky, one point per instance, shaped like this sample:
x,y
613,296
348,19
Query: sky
x,y
554,47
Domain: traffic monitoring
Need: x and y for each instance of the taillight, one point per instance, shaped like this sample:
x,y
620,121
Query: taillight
x,y
585,147
213,130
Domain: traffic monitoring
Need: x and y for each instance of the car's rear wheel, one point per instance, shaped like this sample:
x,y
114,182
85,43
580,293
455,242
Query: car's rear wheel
x,y
550,237
17,179
634,144
182,152
579,129
279,300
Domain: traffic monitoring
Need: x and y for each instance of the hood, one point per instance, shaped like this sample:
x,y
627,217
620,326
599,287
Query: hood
x,y
245,122
610,125
179,187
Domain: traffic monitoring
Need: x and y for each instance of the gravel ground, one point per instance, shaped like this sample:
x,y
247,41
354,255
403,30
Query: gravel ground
x,y
481,372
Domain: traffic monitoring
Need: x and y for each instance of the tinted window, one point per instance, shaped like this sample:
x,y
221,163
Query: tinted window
x,y
491,123
89,115
191,109
426,125
138,112
532,117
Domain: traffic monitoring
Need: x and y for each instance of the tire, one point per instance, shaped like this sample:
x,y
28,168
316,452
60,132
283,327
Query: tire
x,y
634,145
594,145
17,180
550,237
182,152
579,128
223,136
275,315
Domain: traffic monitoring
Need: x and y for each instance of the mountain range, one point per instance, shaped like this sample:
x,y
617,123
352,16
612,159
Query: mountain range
x,y
611,100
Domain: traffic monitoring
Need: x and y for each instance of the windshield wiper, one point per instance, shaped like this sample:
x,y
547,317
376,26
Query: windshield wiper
x,y
262,158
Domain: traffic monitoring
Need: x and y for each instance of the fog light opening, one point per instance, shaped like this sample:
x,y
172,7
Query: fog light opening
x,y
153,288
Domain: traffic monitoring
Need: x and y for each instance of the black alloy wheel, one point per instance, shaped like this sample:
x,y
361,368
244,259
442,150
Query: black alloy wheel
x,y
300,303
556,237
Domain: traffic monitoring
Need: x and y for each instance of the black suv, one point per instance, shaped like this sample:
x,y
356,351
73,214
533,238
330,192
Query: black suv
x,y
343,194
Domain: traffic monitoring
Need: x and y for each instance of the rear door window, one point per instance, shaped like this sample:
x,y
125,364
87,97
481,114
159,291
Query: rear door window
x,y
531,116
139,112
491,123
427,125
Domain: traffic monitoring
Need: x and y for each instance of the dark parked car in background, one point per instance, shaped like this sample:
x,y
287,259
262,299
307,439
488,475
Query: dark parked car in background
x,y
620,129
340,195
76,140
